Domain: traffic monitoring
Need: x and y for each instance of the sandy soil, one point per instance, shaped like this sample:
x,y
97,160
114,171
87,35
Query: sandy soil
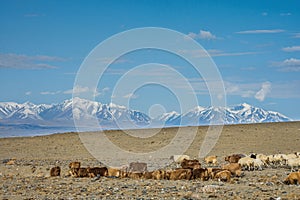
x,y
28,177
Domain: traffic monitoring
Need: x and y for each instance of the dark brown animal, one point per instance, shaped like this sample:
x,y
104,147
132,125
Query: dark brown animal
x,y
158,174
97,171
213,171
81,172
55,171
190,164
201,174
137,167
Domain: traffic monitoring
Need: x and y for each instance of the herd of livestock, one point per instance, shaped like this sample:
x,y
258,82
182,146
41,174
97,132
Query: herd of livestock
x,y
192,169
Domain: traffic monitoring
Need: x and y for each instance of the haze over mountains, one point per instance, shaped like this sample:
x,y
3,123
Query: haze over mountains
x,y
111,116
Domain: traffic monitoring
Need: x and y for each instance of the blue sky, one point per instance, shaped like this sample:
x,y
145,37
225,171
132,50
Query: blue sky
x,y
255,45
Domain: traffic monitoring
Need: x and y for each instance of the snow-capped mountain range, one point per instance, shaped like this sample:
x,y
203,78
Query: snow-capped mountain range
x,y
115,116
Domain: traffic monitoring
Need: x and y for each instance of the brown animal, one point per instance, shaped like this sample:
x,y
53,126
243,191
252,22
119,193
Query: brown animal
x,y
234,168
158,174
179,174
95,171
213,171
147,175
137,167
81,172
211,160
55,171
113,172
201,173
293,178
135,175
74,165
233,158
190,164
223,175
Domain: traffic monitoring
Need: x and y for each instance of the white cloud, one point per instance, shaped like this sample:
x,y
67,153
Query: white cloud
x,y
262,93
205,35
291,49
50,93
297,35
285,14
130,96
261,31
213,53
264,14
77,90
28,93
288,65
28,62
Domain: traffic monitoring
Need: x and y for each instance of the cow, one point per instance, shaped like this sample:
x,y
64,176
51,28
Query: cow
x,y
81,172
55,171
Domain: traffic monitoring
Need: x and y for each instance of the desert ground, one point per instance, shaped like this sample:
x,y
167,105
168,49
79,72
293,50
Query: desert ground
x,y
27,175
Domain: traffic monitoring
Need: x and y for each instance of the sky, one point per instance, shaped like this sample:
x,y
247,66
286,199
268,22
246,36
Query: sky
x,y
254,44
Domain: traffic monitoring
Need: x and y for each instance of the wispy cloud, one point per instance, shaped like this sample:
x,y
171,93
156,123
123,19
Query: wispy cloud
x,y
205,35
214,53
33,15
288,65
28,93
130,96
50,93
264,14
260,31
297,35
28,62
285,14
264,91
291,49
77,90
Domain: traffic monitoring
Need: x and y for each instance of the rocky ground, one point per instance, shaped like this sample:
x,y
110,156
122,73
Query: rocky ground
x,y
27,175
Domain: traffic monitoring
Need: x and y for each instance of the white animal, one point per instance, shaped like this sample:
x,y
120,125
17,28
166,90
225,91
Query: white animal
x,y
294,162
247,163
179,158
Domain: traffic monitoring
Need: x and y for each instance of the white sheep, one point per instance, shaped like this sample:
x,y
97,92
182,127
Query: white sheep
x,y
294,162
264,159
179,158
246,162
258,164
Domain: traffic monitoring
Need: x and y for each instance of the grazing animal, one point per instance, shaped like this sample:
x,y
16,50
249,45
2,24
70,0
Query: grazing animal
x,y
55,171
190,164
135,175
179,174
213,171
137,167
201,173
74,167
211,160
96,171
223,175
293,178
179,158
294,162
247,163
233,158
113,172
234,168
158,174
81,172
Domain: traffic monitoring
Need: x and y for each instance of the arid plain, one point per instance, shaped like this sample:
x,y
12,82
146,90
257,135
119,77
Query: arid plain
x,y
28,176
